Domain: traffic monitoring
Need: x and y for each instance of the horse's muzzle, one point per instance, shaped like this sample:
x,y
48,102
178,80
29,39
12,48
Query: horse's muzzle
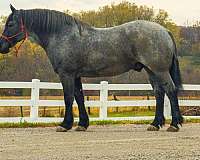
x,y
4,46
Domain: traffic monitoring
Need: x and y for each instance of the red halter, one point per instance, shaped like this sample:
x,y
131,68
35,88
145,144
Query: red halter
x,y
9,38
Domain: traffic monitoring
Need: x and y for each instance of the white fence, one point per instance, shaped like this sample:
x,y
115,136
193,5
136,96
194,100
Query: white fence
x,y
103,103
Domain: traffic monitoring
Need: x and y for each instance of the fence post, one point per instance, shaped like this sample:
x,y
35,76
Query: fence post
x,y
103,100
167,107
35,96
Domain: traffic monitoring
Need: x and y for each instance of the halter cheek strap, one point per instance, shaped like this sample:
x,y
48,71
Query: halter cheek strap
x,y
9,38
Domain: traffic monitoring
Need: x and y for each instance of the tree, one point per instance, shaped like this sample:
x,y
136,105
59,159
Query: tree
x,y
196,49
184,48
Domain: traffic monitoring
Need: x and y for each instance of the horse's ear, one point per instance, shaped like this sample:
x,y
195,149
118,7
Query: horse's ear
x,y
12,8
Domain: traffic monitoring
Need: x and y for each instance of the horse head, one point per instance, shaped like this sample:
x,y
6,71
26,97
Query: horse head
x,y
14,31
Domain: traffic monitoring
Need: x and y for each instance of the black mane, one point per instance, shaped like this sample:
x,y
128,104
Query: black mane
x,y
48,21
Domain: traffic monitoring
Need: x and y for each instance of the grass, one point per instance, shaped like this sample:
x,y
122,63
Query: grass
x,y
127,114
27,125
106,122
131,114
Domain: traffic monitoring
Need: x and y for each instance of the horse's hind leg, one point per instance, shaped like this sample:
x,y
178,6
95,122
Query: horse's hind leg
x,y
171,91
159,119
79,97
159,93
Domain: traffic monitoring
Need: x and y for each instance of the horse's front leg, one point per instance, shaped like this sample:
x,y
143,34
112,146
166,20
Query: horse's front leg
x,y
79,97
68,89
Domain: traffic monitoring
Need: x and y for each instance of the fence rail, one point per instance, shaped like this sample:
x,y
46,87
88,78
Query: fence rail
x,y
103,103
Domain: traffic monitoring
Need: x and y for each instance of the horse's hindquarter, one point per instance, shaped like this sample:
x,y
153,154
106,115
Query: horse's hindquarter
x,y
153,45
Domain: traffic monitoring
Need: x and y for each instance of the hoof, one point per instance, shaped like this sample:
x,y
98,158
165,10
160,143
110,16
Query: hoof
x,y
152,128
172,129
80,129
61,129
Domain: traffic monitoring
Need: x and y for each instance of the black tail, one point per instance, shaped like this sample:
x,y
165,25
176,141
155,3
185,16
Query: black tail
x,y
175,73
175,69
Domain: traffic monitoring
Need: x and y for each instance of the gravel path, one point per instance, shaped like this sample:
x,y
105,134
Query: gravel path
x,y
114,142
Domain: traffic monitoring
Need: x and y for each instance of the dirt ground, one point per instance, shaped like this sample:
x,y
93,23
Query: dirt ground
x,y
110,142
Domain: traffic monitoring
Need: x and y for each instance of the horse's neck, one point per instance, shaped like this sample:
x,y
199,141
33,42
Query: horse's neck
x,y
44,39
41,39
34,38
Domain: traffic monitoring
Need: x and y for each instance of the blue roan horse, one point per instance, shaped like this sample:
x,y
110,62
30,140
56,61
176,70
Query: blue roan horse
x,y
77,50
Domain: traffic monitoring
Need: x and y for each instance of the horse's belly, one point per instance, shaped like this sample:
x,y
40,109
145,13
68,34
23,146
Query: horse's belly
x,y
110,71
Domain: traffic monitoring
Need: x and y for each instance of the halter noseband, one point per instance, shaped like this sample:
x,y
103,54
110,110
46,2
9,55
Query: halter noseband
x,y
9,38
